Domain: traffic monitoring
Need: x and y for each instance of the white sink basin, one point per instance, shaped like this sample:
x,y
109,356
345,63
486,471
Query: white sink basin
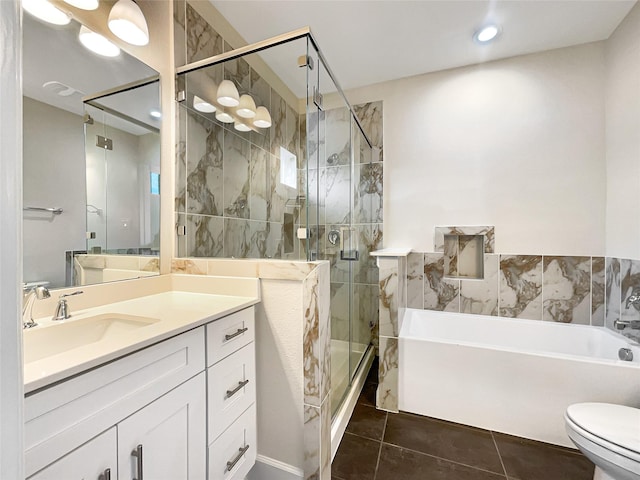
x,y
53,339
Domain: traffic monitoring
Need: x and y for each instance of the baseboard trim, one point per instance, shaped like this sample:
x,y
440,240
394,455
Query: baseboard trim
x,y
270,469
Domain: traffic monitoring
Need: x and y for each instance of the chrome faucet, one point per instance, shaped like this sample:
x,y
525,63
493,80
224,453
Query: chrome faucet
x,y
62,310
32,294
622,324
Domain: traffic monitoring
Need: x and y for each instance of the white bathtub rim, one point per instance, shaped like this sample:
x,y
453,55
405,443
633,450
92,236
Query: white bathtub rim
x,y
534,352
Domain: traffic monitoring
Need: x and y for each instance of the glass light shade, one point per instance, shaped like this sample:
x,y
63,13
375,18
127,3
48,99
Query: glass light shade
x,y
262,118
247,107
97,43
46,12
84,4
127,22
202,106
228,94
241,127
224,117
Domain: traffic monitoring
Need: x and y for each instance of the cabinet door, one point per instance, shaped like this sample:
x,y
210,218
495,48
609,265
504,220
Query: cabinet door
x,y
95,460
166,440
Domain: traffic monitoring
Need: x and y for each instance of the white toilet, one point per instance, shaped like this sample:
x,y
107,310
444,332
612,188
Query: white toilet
x,y
609,435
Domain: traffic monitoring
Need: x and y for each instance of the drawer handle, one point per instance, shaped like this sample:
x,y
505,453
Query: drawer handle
x,y
231,393
233,462
106,475
137,453
234,335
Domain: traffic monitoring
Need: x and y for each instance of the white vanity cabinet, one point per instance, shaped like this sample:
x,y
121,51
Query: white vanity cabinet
x,y
146,415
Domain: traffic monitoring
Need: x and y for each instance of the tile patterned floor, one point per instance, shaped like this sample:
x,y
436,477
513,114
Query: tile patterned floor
x,y
403,446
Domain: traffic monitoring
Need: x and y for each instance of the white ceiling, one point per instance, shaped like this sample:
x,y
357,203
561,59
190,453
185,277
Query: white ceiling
x,y
367,42
54,53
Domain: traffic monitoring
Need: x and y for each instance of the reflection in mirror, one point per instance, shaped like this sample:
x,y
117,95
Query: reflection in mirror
x,y
91,151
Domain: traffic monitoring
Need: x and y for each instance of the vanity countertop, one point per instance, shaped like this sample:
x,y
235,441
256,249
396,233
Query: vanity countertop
x,y
167,313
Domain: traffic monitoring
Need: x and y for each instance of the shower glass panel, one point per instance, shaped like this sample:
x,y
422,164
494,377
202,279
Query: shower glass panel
x,y
240,192
288,190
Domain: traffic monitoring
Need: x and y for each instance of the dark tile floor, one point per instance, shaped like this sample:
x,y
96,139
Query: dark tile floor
x,y
403,446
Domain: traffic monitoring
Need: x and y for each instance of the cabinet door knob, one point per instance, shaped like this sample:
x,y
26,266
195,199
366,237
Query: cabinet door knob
x,y
137,453
233,462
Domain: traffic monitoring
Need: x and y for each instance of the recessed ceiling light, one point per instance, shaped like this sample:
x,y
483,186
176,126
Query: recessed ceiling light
x,y
486,34
45,11
155,114
97,43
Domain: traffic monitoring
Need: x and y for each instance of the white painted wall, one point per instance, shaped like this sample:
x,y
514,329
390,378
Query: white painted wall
x,y
11,383
279,360
516,143
54,176
623,138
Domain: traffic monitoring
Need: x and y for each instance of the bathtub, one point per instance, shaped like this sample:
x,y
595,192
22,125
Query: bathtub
x,y
510,375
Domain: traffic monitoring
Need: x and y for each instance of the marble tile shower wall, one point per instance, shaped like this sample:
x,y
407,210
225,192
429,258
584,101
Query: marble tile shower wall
x,y
364,192
228,193
569,289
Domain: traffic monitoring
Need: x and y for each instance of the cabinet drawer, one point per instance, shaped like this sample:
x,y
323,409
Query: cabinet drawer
x,y
234,452
64,416
231,389
87,462
229,334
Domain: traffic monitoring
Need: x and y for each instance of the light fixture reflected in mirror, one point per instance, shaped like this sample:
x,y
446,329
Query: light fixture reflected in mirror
x,y
127,22
202,105
241,127
45,11
97,43
155,114
247,107
224,117
84,4
228,94
262,118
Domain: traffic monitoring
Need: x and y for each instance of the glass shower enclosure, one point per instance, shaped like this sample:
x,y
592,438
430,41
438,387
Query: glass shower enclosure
x,y
271,155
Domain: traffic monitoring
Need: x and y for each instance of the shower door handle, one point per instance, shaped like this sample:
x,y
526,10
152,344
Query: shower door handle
x,y
351,255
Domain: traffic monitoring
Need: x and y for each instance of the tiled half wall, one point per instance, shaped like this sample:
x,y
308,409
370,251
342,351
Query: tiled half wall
x,y
570,289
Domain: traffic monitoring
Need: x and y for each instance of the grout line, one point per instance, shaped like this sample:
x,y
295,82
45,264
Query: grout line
x,y
499,454
375,472
448,460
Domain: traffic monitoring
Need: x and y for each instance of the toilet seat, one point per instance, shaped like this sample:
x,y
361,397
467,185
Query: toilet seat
x,y
614,427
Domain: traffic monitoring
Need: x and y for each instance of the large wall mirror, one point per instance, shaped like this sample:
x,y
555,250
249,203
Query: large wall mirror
x,y
91,161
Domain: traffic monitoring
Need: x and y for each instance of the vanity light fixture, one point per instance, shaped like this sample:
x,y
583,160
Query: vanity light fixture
x,y
241,127
262,118
486,34
228,94
45,11
224,117
247,107
83,4
202,105
127,22
97,43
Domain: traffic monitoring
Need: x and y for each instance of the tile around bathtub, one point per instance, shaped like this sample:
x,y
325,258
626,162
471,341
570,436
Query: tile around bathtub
x,y
480,297
415,280
440,293
489,233
566,289
521,286
630,285
597,291
387,394
613,290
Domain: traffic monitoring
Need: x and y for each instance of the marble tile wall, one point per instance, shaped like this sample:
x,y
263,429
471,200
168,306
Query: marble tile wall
x,y
569,289
228,191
